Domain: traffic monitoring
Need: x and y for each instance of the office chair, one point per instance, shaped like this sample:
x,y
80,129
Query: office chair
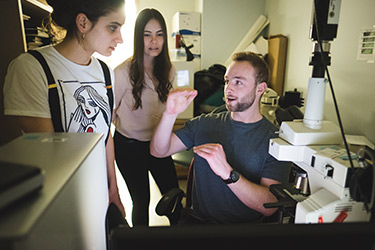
x,y
168,204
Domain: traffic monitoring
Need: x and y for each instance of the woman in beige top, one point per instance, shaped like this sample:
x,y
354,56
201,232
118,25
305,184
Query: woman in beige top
x,y
142,85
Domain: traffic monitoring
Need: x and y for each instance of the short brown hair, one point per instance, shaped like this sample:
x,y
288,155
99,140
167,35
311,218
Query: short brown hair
x,y
261,67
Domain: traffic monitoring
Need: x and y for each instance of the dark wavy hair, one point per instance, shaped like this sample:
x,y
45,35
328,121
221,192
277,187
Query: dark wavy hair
x,y
162,63
262,70
65,12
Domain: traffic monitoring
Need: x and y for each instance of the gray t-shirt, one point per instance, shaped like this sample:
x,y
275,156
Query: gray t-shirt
x,y
246,148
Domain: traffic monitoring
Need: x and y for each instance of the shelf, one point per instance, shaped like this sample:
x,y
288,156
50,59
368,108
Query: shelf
x,y
36,9
13,44
39,4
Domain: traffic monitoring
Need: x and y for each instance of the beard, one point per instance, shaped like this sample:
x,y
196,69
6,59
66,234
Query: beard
x,y
241,105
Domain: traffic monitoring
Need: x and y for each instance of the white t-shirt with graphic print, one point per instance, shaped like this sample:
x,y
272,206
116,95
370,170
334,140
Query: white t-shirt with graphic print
x,y
83,96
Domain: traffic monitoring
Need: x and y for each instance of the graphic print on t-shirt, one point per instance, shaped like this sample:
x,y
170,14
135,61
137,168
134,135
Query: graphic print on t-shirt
x,y
86,107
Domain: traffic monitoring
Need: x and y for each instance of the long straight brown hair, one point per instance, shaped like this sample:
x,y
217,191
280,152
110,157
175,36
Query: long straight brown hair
x,y
162,63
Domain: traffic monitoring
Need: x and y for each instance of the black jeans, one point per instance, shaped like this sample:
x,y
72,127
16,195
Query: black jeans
x,y
134,160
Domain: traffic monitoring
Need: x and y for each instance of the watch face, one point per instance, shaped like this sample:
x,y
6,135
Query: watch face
x,y
234,175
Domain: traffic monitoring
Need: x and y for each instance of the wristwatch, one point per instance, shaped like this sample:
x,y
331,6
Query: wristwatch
x,y
233,177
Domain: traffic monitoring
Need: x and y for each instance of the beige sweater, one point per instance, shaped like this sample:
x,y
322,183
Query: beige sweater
x,y
138,124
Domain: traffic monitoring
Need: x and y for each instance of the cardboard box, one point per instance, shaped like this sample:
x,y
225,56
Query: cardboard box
x,y
187,23
277,47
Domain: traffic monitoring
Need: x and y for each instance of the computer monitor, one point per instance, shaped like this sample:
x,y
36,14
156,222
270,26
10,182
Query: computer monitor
x,y
247,236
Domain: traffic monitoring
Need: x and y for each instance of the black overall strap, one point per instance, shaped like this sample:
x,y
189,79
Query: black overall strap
x,y
108,86
53,95
108,83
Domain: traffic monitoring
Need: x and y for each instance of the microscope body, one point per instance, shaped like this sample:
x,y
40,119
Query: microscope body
x,y
315,145
328,172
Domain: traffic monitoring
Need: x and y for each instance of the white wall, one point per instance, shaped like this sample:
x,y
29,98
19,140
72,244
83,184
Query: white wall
x,y
224,24
353,81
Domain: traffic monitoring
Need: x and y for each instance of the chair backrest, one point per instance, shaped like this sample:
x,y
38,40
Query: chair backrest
x,y
189,184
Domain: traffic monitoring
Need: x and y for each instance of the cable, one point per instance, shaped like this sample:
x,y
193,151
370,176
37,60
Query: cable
x,y
340,122
331,87
189,55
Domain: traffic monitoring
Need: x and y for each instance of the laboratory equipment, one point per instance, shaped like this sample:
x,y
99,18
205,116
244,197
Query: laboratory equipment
x,y
315,145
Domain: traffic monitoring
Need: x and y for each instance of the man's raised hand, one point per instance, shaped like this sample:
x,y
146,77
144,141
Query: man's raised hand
x,y
179,99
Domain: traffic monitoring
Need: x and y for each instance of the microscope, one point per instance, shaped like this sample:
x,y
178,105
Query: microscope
x,y
321,192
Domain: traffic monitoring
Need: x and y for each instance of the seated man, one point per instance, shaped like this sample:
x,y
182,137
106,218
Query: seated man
x,y
233,169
